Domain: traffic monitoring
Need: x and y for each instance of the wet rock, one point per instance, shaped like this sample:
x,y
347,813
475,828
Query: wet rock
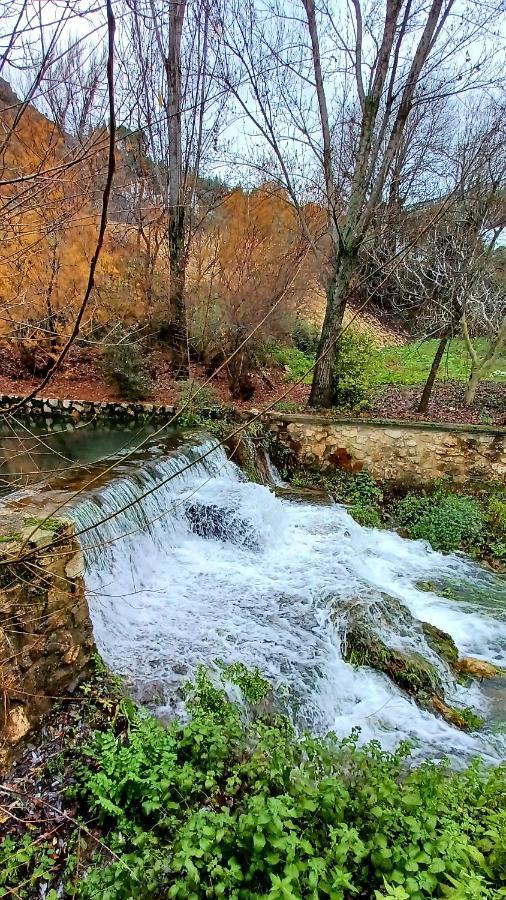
x,y
478,668
208,520
303,494
45,630
465,719
369,639
441,643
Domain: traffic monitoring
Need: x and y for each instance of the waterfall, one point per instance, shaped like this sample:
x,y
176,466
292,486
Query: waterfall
x,y
188,564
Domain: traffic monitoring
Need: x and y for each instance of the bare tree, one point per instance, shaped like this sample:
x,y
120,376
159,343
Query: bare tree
x,y
448,280
167,64
365,70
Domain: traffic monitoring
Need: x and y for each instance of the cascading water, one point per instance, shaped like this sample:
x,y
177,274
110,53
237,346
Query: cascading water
x,y
210,566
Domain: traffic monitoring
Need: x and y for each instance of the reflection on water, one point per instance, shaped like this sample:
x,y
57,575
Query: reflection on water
x,y
30,455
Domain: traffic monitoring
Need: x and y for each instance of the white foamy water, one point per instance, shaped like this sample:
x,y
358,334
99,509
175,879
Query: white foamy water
x,y
210,566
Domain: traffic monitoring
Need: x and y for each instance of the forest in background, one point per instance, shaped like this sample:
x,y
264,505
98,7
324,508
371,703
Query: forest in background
x,y
367,209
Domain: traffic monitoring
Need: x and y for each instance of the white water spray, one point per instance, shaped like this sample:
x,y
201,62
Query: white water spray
x,y
210,566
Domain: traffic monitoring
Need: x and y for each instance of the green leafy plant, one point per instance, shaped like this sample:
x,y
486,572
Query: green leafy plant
x,y
306,337
353,375
365,515
448,521
231,803
198,405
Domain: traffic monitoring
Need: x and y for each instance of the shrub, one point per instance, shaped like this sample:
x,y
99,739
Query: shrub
x,y
365,515
234,803
448,521
353,374
124,363
306,337
294,362
200,406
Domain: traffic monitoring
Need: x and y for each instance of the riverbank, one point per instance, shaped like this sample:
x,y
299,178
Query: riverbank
x,y
107,802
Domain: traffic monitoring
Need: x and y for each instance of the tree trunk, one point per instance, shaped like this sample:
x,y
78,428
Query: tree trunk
x,y
176,210
322,388
178,325
472,386
434,369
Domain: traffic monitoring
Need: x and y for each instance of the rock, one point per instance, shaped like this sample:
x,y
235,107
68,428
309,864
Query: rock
x,y
18,725
441,643
209,520
365,644
478,668
39,537
49,651
465,719
75,565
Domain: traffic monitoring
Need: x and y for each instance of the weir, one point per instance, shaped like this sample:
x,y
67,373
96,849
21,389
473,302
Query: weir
x,y
192,563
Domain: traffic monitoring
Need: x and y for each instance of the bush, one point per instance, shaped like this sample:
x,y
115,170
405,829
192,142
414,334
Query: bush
x,y
124,363
448,521
354,371
195,403
238,806
233,803
306,337
365,515
295,363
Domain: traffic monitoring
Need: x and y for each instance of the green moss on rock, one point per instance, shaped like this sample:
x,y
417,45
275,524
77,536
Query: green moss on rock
x,y
441,643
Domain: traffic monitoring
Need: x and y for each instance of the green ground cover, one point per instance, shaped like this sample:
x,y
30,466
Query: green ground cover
x,y
405,365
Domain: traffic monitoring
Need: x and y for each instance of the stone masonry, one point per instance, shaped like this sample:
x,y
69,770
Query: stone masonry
x,y
403,452
45,631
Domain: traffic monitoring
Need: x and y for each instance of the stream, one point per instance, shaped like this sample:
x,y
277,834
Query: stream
x,y
192,563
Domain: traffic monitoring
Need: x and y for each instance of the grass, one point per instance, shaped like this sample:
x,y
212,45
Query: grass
x,y
405,365
410,364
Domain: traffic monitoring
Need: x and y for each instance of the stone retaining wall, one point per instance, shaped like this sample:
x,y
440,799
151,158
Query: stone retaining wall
x,y
45,631
403,452
49,408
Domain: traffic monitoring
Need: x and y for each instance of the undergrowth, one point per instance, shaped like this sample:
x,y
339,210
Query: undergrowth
x,y
232,803
359,491
453,521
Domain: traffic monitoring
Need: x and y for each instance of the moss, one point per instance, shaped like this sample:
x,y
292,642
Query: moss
x,y
10,538
465,719
52,525
441,643
412,672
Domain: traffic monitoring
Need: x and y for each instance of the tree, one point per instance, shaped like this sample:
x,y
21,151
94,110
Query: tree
x,y
167,67
447,280
247,279
365,74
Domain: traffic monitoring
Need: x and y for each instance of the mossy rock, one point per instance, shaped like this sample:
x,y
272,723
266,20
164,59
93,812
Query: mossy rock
x,y
465,719
441,643
409,671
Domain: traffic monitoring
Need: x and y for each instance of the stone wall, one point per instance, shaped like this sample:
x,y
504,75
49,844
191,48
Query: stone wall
x,y
45,631
49,408
403,452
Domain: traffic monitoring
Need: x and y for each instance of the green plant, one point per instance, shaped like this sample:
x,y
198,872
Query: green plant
x,y
297,365
235,805
198,404
353,375
24,867
306,337
124,363
448,521
470,718
365,515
